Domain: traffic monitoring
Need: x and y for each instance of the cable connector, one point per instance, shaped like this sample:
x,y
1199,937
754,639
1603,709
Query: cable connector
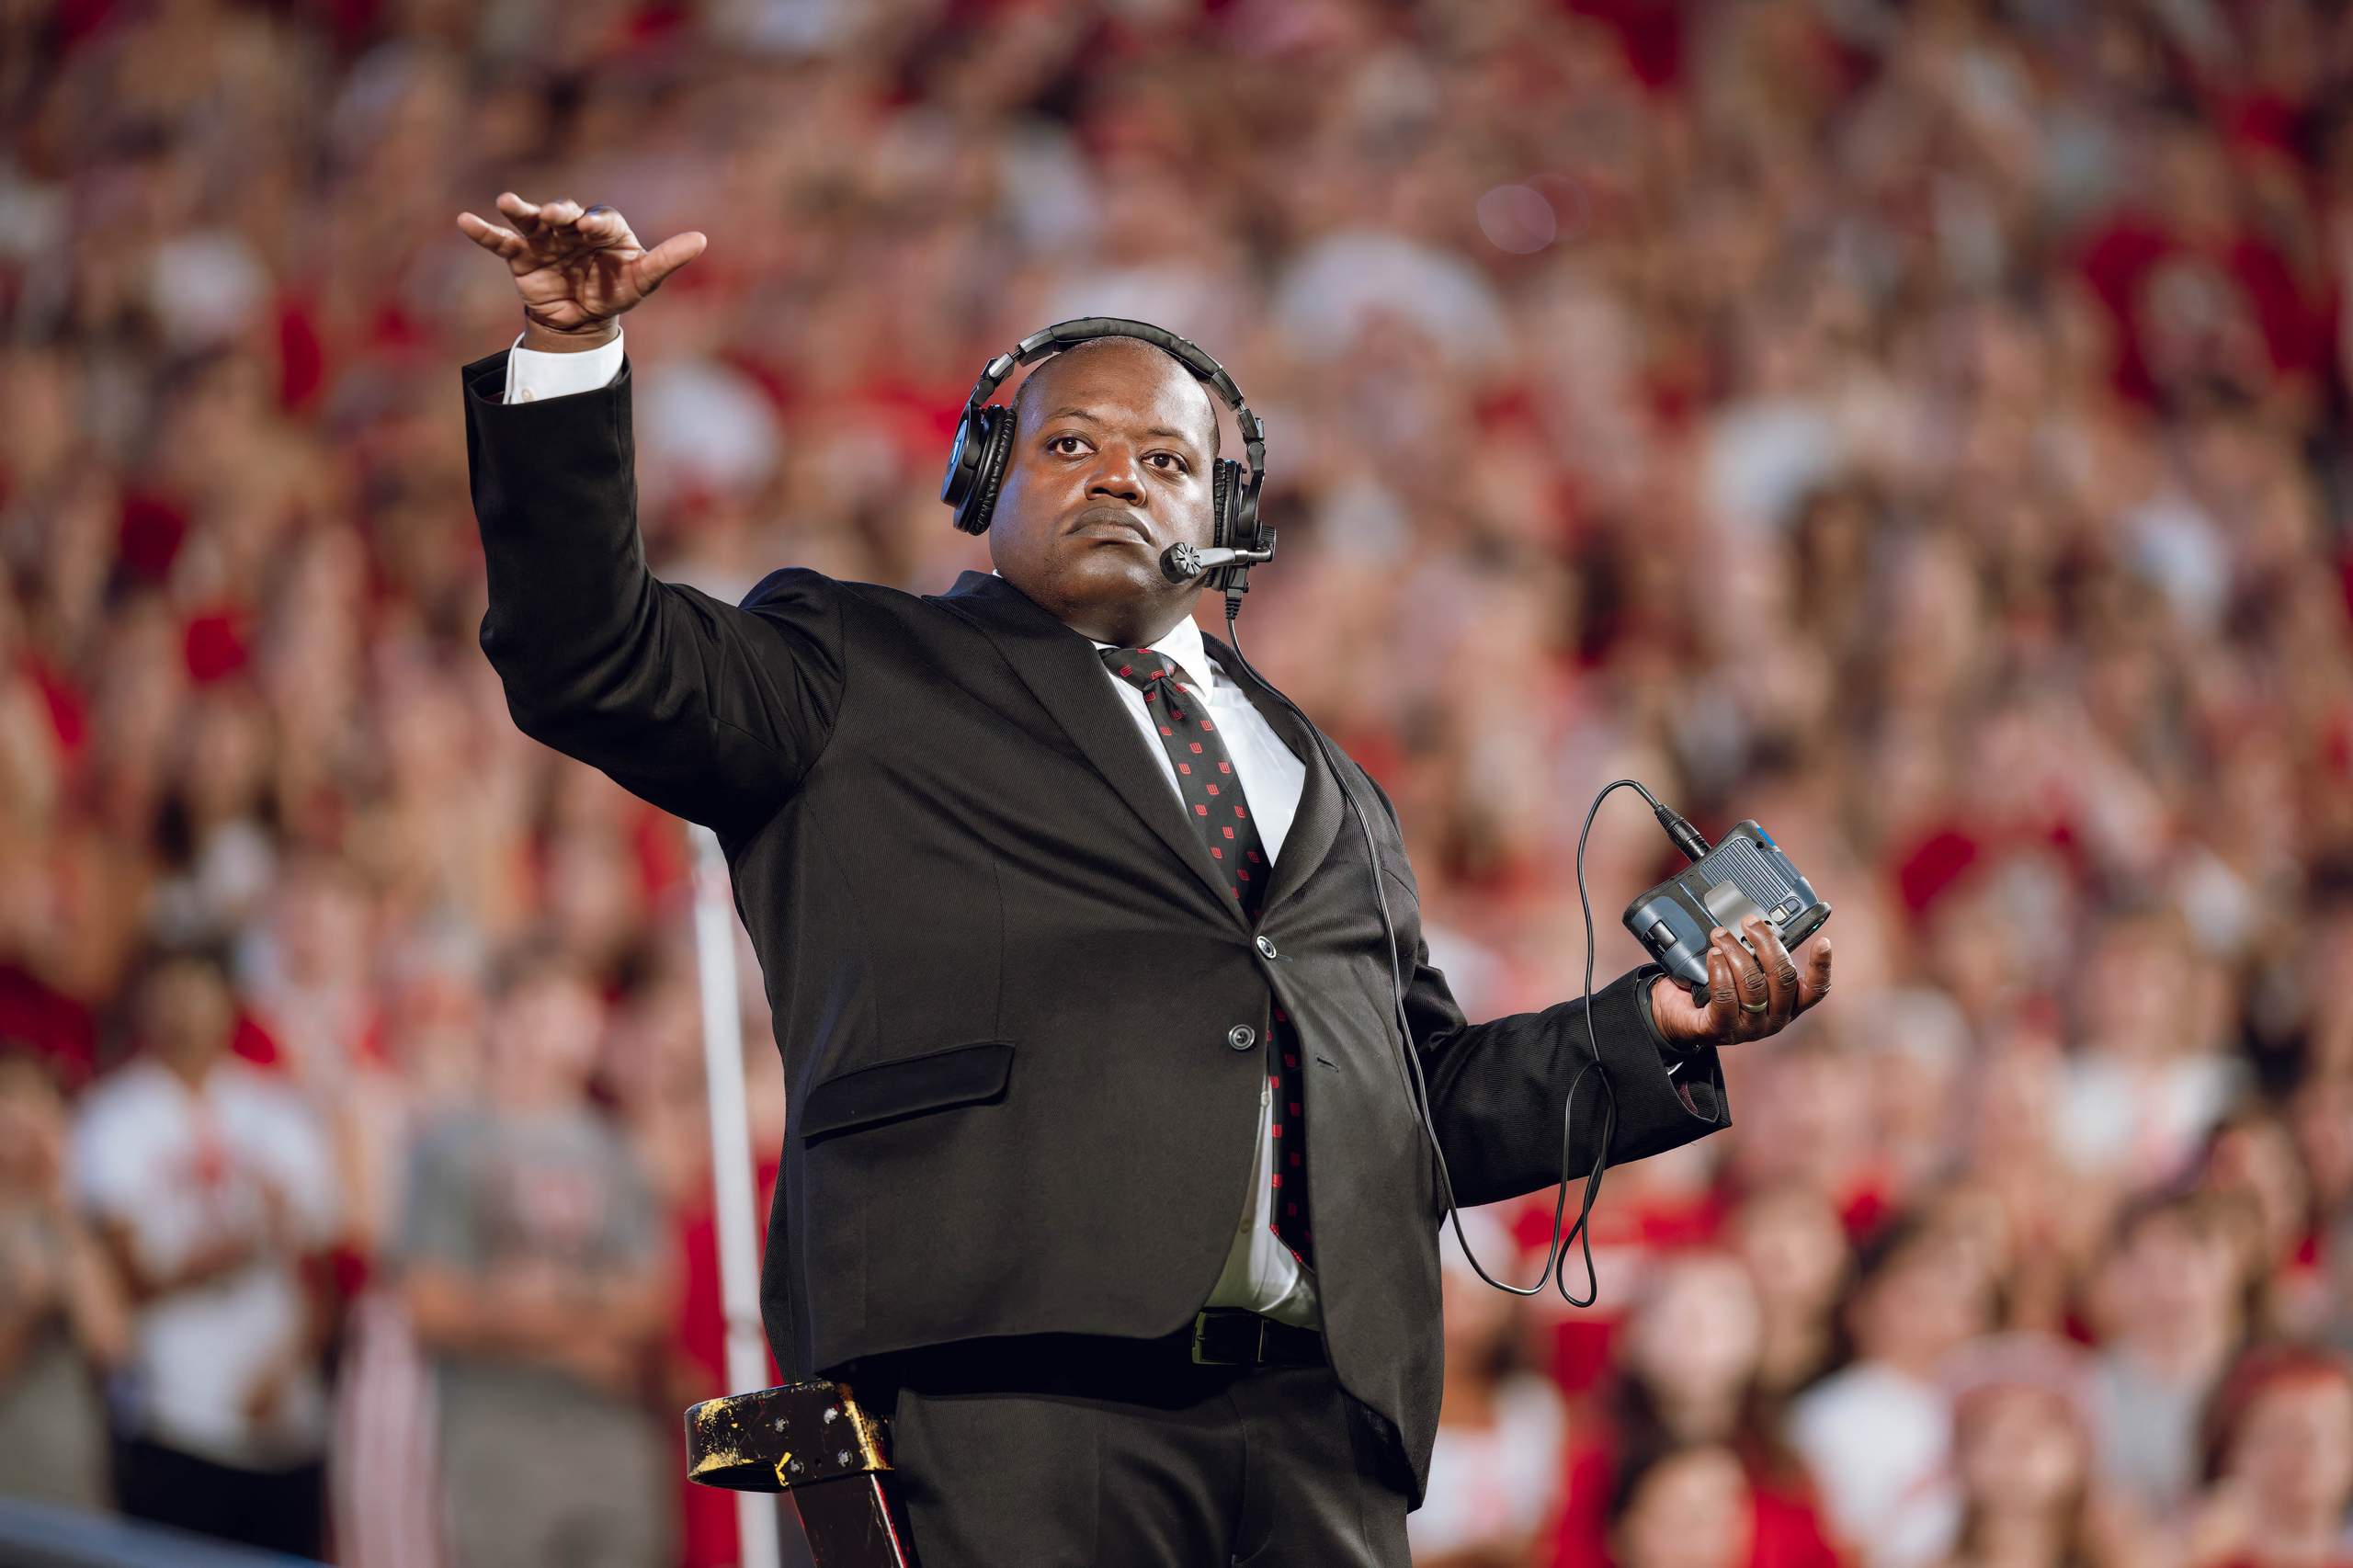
x,y
1687,838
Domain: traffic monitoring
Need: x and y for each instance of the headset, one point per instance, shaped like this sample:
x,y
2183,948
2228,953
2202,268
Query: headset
x,y
976,469
985,440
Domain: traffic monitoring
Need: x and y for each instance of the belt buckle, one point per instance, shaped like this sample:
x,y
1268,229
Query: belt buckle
x,y
1257,1356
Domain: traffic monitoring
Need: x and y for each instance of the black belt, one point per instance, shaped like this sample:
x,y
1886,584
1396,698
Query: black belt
x,y
1096,1365
1233,1336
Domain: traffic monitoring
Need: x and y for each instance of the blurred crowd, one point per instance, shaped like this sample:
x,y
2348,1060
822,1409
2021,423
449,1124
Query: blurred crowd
x,y
1921,427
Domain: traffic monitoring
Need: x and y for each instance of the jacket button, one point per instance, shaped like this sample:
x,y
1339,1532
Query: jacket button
x,y
1265,948
1242,1036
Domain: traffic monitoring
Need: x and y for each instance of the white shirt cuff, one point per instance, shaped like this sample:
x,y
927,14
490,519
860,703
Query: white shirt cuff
x,y
532,376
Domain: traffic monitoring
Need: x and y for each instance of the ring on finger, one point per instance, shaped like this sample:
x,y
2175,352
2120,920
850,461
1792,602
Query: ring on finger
x,y
1753,1006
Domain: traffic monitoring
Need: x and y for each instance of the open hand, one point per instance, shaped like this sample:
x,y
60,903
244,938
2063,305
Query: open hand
x,y
577,271
1770,975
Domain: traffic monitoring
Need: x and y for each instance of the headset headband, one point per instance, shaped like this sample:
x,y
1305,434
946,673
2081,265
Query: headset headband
x,y
1066,335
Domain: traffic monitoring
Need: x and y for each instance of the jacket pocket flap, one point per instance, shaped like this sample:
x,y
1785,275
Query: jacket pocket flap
x,y
958,1075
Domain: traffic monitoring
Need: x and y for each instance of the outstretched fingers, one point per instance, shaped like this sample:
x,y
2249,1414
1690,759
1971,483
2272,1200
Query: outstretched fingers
x,y
668,256
574,264
490,236
542,224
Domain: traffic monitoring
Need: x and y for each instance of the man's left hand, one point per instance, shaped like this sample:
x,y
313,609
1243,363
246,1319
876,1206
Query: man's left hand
x,y
1769,976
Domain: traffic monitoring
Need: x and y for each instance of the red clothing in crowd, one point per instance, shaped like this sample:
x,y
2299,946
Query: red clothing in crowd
x,y
1787,1529
1581,1342
57,1030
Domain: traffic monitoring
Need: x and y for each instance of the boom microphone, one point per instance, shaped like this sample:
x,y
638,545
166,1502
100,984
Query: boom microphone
x,y
1183,562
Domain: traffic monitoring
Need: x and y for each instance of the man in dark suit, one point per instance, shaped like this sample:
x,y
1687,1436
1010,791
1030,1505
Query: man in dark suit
x,y
1043,1031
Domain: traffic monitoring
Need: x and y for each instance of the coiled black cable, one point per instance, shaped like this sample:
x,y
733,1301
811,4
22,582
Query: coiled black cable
x,y
1557,1257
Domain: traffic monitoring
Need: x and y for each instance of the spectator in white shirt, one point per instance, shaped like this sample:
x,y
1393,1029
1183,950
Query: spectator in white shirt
x,y
1878,1433
211,1183
2167,1303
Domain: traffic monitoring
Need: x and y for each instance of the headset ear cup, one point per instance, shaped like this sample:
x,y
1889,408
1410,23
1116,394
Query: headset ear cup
x,y
963,463
1221,500
995,434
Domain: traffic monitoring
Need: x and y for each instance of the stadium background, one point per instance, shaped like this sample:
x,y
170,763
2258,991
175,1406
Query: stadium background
x,y
1921,429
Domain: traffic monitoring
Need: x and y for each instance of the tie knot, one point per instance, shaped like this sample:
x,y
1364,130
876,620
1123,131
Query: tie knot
x,y
1139,666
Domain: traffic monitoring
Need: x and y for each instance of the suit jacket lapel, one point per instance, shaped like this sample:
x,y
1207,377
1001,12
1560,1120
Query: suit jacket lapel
x,y
1061,669
1313,825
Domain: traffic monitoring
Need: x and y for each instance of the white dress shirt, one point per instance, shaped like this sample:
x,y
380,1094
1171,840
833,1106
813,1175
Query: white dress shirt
x,y
1260,1273
531,375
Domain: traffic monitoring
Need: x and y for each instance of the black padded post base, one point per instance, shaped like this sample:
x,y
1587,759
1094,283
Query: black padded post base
x,y
815,1442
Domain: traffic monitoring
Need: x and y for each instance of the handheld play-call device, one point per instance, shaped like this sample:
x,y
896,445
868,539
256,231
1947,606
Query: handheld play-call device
x,y
1747,874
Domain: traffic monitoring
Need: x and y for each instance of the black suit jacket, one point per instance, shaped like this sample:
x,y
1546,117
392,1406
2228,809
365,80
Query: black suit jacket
x,y
1004,982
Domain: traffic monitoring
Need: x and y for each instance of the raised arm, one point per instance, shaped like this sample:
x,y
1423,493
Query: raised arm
x,y
711,710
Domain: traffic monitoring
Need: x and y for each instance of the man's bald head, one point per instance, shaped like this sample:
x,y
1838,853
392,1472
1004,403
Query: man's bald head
x,y
1034,385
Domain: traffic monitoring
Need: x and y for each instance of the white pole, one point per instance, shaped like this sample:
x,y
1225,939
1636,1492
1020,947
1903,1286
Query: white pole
x,y
730,1165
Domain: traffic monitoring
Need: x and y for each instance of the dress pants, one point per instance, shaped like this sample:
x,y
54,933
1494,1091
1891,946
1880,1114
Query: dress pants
x,y
1067,1451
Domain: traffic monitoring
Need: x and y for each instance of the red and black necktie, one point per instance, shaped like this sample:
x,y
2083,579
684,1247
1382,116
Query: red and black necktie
x,y
1214,802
